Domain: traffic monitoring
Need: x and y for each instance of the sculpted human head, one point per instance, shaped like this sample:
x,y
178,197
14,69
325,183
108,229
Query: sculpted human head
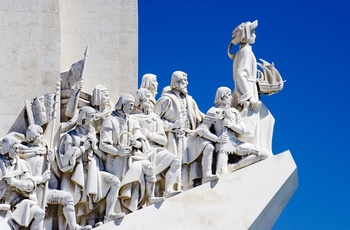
x,y
179,81
223,96
143,100
34,134
9,145
86,115
100,96
125,103
149,81
245,33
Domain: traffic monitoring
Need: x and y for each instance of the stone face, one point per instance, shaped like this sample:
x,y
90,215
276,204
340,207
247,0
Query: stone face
x,y
29,60
250,198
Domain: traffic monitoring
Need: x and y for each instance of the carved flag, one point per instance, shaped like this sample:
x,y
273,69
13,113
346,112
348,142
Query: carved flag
x,y
41,109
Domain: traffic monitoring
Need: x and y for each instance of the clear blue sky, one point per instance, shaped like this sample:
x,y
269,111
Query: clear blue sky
x,y
309,43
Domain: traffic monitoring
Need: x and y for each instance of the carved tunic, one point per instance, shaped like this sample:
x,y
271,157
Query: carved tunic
x,y
170,108
21,201
160,157
81,176
244,76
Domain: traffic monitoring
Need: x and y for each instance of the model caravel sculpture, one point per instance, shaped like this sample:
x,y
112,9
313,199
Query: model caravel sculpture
x,y
269,79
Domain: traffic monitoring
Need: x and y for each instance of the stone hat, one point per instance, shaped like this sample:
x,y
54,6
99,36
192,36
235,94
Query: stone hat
x,y
243,31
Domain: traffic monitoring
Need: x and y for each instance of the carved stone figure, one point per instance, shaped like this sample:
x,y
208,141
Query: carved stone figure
x,y
79,159
73,77
17,195
181,116
165,162
35,152
149,81
122,140
99,100
221,126
246,96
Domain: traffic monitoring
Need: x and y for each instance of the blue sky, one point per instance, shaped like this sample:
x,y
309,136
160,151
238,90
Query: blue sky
x,y
309,43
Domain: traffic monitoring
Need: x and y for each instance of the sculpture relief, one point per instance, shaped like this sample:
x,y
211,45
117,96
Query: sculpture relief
x,y
149,81
19,205
112,160
127,156
80,161
246,95
181,116
35,152
167,164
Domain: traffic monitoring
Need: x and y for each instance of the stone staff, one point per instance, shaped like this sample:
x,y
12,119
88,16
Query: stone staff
x,y
52,138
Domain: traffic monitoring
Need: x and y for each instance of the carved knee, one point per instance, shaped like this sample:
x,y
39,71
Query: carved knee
x,y
39,213
175,164
149,170
209,149
113,181
67,199
150,176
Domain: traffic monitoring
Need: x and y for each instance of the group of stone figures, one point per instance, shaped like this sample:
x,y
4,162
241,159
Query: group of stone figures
x,y
112,160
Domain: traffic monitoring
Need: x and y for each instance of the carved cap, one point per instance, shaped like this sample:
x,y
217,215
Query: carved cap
x,y
242,32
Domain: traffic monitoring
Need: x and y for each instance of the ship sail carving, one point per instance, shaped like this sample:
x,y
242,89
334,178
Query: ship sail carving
x,y
269,79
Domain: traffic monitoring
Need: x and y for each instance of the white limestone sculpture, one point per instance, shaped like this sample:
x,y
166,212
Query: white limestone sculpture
x,y
246,95
221,126
149,81
181,116
35,152
151,125
79,159
99,100
40,110
121,139
19,207
71,85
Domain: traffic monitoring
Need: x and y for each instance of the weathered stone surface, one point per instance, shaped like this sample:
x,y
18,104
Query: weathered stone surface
x,y
29,60
110,29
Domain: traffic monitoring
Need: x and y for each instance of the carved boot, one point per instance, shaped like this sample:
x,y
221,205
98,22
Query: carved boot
x,y
113,216
170,179
207,161
69,214
151,198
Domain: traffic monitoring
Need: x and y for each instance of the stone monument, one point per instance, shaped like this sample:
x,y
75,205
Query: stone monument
x,y
72,159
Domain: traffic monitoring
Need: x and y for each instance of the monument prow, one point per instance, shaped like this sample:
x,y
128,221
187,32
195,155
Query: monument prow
x,y
250,198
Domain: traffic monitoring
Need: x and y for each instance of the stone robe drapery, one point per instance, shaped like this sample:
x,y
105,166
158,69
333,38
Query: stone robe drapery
x,y
168,108
259,122
129,169
21,210
83,183
160,157
244,76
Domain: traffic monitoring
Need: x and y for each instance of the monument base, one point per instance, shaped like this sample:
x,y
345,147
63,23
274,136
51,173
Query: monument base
x,y
250,198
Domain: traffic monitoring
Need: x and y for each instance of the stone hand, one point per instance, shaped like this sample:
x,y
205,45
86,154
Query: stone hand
x,y
124,151
178,124
146,133
87,144
223,138
227,123
46,176
51,157
11,181
78,87
135,143
254,104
